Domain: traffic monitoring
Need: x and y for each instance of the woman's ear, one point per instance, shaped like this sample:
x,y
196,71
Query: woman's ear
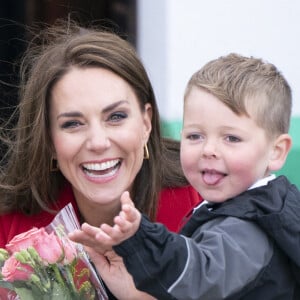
x,y
147,120
281,148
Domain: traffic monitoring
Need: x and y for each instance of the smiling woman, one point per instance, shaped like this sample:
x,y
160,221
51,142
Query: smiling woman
x,y
98,132
88,129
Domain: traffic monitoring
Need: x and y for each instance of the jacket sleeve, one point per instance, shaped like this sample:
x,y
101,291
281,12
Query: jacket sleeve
x,y
216,262
149,256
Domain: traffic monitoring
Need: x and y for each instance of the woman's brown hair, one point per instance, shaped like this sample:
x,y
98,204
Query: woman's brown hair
x,y
27,184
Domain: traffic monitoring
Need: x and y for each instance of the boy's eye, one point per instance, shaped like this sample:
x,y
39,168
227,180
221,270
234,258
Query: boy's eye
x,y
117,116
70,124
232,139
193,136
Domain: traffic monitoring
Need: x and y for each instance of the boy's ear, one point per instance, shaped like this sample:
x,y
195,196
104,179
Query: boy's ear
x,y
281,148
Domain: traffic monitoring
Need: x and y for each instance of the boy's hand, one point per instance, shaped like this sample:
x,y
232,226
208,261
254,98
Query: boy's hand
x,y
102,239
126,224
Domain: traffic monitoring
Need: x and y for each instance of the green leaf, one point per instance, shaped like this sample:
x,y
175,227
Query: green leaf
x,y
60,292
6,285
57,292
27,294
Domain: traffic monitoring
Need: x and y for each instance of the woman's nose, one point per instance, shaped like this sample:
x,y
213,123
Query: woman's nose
x,y
98,139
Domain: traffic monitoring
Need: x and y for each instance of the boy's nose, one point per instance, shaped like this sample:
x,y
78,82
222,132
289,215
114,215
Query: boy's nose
x,y
210,148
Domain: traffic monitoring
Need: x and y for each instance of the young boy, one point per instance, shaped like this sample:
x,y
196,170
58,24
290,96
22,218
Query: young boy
x,y
243,242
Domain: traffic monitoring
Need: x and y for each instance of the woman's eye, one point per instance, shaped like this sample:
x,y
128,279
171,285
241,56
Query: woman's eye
x,y
70,124
232,139
117,116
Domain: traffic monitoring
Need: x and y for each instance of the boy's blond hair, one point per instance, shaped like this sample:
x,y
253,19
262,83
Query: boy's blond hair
x,y
248,86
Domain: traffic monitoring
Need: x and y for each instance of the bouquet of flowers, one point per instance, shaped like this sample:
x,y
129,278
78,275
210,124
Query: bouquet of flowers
x,y
43,264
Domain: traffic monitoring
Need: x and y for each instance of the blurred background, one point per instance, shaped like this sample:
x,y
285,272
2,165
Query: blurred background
x,y
173,38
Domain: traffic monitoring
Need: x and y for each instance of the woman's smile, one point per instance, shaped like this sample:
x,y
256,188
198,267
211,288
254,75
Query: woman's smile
x,y
102,170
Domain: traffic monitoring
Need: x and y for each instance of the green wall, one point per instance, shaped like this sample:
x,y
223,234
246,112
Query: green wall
x,y
292,166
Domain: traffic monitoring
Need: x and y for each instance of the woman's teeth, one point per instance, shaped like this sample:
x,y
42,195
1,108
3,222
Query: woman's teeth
x,y
101,166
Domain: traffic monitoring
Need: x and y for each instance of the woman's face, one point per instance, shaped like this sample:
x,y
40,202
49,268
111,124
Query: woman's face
x,y
99,132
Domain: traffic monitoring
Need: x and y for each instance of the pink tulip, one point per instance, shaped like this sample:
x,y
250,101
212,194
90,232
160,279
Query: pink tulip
x,y
70,251
13,270
49,247
23,240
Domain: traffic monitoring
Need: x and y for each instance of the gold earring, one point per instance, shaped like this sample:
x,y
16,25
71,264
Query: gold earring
x,y
146,152
54,167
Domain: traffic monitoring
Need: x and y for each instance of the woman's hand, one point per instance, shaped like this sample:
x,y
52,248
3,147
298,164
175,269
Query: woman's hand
x,y
113,272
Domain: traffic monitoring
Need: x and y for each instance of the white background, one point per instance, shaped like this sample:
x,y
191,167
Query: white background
x,y
177,37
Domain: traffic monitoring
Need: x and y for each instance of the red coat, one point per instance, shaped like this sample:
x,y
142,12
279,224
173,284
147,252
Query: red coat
x,y
174,204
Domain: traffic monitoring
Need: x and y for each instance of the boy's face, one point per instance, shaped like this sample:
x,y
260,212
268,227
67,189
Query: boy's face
x,y
222,154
